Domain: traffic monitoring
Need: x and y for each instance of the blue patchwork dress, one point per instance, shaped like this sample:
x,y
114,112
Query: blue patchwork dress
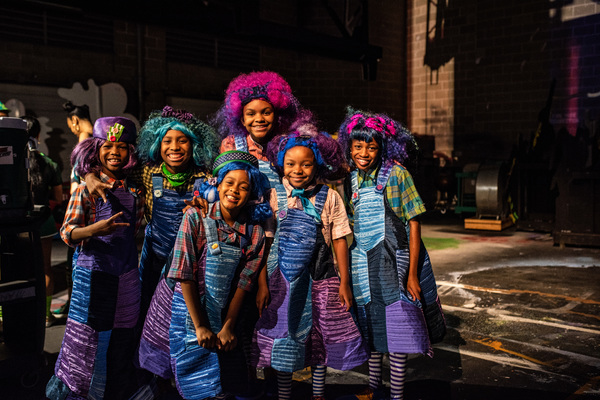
x,y
97,353
388,319
304,324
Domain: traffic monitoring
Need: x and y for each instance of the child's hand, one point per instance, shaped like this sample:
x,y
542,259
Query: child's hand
x,y
413,288
226,340
263,297
107,226
346,296
198,202
206,338
96,187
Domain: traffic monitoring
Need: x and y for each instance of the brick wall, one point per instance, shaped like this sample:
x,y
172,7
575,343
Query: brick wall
x,y
493,68
498,60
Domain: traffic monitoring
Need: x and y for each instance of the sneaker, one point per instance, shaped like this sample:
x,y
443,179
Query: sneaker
x,y
62,311
317,398
50,320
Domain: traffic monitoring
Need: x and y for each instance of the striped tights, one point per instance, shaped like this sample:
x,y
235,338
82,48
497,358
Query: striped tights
x,y
397,373
284,382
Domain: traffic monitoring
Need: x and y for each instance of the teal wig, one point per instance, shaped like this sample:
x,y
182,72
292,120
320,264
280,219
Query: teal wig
x,y
205,142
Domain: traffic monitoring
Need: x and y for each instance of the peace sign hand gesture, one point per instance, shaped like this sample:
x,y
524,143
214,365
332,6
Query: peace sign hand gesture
x,y
100,228
108,226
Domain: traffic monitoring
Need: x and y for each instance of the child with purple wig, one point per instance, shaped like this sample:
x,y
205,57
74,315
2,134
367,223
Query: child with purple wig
x,y
307,322
96,357
398,309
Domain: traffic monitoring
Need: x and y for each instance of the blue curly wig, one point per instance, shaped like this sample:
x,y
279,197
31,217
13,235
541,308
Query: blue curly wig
x,y
329,158
205,142
258,203
396,143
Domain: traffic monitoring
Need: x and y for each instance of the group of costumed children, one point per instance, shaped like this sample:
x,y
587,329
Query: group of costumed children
x,y
248,258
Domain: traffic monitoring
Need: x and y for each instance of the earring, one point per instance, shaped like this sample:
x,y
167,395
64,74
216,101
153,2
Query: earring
x,y
77,129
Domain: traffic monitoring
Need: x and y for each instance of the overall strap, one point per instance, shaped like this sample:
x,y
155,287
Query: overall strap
x,y
240,143
282,203
197,183
354,184
212,237
157,185
383,176
320,198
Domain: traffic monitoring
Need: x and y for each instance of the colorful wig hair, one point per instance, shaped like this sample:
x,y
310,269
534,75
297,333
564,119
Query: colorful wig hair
x,y
205,142
258,203
265,85
328,155
85,159
394,140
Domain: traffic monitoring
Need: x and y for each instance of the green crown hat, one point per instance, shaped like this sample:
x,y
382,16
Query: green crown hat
x,y
115,129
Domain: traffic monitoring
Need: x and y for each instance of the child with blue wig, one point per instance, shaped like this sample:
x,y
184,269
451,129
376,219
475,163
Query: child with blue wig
x,y
216,259
307,321
398,309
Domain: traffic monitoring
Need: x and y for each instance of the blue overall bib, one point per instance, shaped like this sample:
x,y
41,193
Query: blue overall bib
x,y
305,323
198,370
160,234
388,319
241,144
96,357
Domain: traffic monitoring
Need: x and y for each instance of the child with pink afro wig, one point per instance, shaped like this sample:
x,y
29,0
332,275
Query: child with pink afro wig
x,y
257,107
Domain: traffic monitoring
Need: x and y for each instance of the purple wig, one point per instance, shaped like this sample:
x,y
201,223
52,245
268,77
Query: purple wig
x,y
265,85
328,154
84,157
395,141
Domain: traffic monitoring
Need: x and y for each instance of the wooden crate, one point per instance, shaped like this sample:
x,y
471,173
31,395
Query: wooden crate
x,y
487,224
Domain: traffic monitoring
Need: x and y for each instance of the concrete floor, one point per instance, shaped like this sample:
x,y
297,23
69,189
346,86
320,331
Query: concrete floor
x,y
523,321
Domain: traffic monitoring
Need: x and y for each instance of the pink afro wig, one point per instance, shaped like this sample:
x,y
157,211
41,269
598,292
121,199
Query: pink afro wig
x,y
265,85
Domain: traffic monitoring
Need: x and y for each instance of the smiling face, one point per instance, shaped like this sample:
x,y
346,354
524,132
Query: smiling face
x,y
299,166
113,156
258,117
364,154
176,151
234,192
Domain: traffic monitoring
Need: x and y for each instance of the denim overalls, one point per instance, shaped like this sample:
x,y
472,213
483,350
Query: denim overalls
x,y
388,319
304,324
96,357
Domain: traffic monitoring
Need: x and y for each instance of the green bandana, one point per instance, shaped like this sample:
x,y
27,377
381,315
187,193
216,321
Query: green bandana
x,y
177,179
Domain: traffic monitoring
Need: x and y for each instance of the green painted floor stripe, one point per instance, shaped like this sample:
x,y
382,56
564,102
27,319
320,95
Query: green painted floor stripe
x,y
440,243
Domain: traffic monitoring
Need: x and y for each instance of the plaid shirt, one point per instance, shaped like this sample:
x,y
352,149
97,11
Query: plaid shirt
x,y
142,176
82,209
253,148
190,246
400,192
